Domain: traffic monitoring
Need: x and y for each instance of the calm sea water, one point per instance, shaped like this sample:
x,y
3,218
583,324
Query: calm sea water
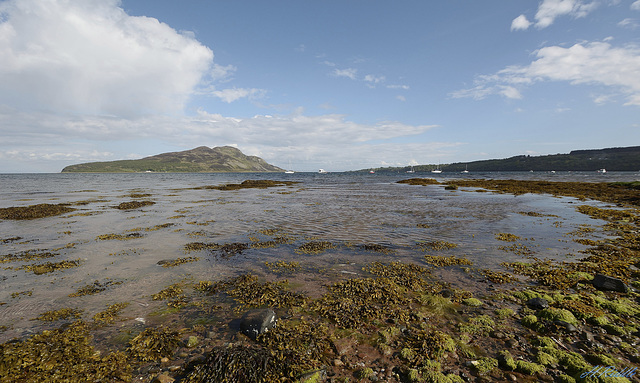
x,y
346,209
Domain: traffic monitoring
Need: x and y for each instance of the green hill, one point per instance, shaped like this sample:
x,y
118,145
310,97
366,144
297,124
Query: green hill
x,y
199,160
611,159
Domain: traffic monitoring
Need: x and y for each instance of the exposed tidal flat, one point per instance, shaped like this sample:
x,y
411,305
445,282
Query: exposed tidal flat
x,y
132,277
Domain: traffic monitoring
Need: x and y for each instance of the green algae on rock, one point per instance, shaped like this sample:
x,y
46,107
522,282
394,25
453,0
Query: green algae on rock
x,y
34,211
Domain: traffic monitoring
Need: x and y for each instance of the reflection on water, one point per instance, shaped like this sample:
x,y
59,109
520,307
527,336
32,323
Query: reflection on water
x,y
347,210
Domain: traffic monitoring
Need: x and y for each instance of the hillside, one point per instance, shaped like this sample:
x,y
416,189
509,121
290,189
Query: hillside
x,y
611,159
199,160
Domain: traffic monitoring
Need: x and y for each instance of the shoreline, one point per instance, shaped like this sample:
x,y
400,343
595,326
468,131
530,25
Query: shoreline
x,y
407,323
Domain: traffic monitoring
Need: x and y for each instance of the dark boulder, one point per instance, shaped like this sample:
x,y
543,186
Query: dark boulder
x,y
603,282
256,322
538,303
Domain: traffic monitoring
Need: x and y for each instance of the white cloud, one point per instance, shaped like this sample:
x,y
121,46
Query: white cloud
x,y
403,87
89,56
222,73
349,73
374,79
549,10
520,23
596,63
629,23
327,138
636,5
232,94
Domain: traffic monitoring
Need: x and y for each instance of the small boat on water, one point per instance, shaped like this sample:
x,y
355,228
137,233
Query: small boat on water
x,y
411,170
466,170
289,172
322,171
602,170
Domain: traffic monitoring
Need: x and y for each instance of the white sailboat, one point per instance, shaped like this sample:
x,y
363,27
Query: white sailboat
x,y
437,169
465,169
411,170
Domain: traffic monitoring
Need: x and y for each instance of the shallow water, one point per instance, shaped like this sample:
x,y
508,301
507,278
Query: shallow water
x,y
345,209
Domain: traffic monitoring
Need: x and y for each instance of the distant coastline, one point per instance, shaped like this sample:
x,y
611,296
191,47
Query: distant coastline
x,y
609,159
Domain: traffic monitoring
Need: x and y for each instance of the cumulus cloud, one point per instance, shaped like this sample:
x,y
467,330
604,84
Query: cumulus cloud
x,y
596,63
549,10
89,56
520,23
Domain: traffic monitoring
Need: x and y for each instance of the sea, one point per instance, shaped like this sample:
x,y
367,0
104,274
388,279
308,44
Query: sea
x,y
363,217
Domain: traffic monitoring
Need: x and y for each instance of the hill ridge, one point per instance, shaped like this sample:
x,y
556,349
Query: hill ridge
x,y
201,159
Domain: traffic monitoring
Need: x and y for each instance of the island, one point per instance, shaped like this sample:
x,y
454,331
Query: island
x,y
199,160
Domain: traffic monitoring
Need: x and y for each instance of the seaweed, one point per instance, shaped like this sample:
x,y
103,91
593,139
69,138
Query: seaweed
x,y
250,184
314,247
50,267
436,245
439,261
95,288
177,261
419,181
34,211
109,315
61,355
133,205
154,343
63,313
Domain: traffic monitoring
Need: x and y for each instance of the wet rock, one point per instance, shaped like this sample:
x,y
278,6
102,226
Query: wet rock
x,y
538,303
446,293
566,326
313,377
603,282
191,341
256,322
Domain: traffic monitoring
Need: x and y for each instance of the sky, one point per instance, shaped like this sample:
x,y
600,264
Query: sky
x,y
333,84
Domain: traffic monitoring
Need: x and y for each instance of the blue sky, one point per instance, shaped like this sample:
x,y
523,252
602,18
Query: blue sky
x,y
339,85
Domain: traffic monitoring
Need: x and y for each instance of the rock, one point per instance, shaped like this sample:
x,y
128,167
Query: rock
x,y
603,282
538,303
446,293
566,326
163,378
313,377
191,341
256,322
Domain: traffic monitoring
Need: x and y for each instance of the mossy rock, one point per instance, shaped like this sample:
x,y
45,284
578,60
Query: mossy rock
x,y
554,314
473,302
529,368
530,321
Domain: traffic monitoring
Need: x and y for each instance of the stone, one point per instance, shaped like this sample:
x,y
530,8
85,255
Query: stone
x,y
191,341
313,377
566,326
256,322
163,378
603,282
538,303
